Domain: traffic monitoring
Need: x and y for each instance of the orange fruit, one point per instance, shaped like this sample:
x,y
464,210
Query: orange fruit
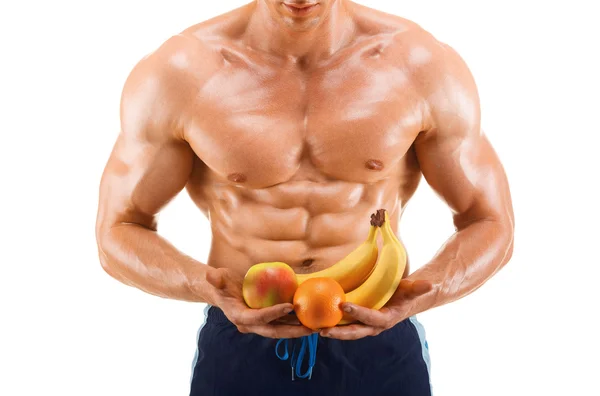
x,y
317,303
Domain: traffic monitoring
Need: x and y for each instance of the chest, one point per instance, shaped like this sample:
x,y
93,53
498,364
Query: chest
x,y
352,121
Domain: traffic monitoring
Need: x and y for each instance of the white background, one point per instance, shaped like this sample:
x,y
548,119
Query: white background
x,y
69,329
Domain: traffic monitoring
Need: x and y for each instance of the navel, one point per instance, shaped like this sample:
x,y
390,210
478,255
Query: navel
x,y
307,262
374,164
237,177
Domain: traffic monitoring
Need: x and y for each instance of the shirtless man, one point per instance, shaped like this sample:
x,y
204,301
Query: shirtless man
x,y
289,124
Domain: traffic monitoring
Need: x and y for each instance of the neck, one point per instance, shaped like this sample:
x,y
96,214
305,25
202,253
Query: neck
x,y
313,40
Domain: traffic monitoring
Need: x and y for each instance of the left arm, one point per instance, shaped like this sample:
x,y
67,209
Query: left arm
x,y
459,163
461,166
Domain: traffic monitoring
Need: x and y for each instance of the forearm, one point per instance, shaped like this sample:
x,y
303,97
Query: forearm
x,y
465,262
141,258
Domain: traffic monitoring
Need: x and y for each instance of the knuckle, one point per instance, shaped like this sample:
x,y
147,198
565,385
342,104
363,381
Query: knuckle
x,y
243,329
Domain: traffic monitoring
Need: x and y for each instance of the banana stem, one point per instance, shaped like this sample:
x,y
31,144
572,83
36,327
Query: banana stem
x,y
378,218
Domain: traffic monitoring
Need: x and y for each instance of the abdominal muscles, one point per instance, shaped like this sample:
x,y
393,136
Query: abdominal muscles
x,y
309,225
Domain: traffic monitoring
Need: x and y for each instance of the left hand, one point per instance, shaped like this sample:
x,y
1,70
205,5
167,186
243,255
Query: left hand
x,y
373,322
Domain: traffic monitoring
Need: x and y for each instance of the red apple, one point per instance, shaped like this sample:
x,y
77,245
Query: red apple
x,y
268,284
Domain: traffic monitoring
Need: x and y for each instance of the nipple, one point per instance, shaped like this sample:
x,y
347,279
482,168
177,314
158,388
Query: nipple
x,y
237,177
374,164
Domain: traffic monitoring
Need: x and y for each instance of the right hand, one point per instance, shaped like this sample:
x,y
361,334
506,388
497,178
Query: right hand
x,y
267,322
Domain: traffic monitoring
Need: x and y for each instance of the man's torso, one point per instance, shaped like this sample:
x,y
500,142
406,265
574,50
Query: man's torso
x,y
292,158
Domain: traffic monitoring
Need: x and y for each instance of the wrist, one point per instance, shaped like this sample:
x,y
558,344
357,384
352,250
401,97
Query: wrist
x,y
424,302
200,286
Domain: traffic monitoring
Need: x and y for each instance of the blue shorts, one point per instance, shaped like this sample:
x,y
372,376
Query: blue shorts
x,y
230,363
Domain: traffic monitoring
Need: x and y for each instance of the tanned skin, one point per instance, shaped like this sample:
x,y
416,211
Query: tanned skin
x,y
289,127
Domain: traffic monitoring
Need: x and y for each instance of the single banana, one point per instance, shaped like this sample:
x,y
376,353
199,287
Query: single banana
x,y
379,287
351,271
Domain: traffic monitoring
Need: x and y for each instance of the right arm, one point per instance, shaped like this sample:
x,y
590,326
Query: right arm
x,y
150,163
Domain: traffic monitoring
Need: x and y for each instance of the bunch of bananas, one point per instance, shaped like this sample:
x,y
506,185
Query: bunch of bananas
x,y
369,277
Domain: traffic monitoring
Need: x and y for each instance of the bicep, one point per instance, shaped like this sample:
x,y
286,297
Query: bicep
x,y
465,171
150,162
141,177
455,156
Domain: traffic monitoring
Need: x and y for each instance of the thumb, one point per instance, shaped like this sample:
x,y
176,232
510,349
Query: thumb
x,y
412,289
215,278
422,287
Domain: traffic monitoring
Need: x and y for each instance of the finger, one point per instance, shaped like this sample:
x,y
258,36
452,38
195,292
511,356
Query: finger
x,y
367,316
350,332
262,316
281,331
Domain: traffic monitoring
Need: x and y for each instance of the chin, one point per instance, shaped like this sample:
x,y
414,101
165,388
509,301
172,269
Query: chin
x,y
302,20
301,25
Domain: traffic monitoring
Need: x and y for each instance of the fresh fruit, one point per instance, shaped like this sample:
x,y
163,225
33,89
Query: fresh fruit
x,y
268,284
379,287
352,270
317,303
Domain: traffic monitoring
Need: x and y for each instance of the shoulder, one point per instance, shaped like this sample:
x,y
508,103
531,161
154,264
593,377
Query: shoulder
x,y
436,72
173,66
411,47
165,82
178,67
417,50
439,76
157,87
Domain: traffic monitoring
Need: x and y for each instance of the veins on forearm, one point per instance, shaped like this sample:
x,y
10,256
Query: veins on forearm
x,y
466,261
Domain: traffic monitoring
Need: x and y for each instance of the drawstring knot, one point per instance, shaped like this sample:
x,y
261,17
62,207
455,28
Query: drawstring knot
x,y
309,342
